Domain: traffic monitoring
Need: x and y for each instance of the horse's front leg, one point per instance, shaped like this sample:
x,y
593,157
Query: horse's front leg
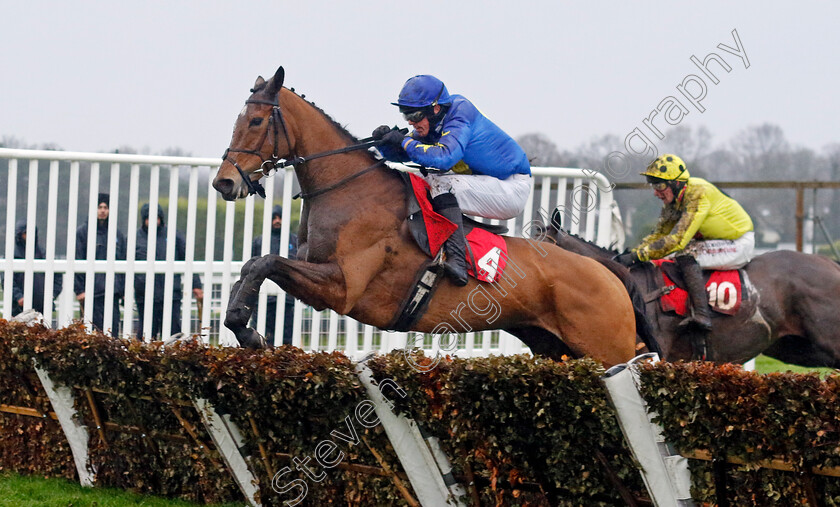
x,y
319,285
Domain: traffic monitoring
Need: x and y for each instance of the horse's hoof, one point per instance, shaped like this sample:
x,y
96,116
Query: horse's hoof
x,y
250,339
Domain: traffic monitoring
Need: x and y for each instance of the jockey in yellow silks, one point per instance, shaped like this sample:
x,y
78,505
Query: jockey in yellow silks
x,y
699,226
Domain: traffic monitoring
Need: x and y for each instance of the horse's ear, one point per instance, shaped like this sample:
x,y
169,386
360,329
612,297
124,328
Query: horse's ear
x,y
259,83
277,81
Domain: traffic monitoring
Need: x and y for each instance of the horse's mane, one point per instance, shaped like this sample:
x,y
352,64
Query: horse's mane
x,y
606,251
341,128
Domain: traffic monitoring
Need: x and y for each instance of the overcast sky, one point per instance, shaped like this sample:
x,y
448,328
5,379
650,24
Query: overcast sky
x,y
92,76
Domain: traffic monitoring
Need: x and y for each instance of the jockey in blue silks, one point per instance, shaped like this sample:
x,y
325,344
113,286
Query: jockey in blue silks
x,y
480,170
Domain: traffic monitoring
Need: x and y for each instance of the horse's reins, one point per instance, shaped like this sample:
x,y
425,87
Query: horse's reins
x,y
275,163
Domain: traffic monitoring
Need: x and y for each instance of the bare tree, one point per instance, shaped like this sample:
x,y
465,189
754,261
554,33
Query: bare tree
x,y
15,143
764,152
692,145
540,149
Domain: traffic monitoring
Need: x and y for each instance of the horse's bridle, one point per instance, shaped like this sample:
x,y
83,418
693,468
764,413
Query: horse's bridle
x,y
274,162
267,164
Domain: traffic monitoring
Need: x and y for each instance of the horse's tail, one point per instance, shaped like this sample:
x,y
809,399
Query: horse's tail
x,y
643,328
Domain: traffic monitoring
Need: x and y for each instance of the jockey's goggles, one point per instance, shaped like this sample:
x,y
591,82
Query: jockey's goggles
x,y
657,184
415,115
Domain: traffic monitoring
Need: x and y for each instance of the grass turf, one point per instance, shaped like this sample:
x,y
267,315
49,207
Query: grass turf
x,y
764,364
17,490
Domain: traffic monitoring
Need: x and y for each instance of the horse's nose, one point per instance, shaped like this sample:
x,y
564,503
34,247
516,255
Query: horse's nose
x,y
224,186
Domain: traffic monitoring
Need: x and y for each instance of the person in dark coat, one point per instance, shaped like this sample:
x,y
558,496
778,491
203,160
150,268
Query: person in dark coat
x,y
271,306
18,279
158,286
98,300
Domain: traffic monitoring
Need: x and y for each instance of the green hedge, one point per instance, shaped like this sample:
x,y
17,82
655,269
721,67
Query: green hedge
x,y
516,419
28,445
296,399
528,431
732,412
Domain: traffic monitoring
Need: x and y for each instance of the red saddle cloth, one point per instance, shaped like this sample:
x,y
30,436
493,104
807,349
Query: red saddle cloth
x,y
489,250
723,288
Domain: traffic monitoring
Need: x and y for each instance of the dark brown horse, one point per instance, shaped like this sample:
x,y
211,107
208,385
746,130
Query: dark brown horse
x,y
792,314
356,256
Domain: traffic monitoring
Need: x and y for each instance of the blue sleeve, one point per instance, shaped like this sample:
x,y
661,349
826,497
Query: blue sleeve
x,y
449,149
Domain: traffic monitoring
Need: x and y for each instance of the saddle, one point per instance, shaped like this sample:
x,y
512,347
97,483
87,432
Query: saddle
x,y
725,289
486,249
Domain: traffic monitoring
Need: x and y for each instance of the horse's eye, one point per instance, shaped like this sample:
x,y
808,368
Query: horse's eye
x,y
255,122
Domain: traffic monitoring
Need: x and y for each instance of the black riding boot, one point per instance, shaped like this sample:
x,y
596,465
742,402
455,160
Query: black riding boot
x,y
700,321
455,247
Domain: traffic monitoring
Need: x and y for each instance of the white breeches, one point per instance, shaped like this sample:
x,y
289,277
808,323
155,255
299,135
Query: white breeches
x,y
484,196
722,253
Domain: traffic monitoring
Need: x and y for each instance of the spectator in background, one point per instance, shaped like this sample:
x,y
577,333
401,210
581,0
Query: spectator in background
x,y
271,307
103,211
140,287
37,279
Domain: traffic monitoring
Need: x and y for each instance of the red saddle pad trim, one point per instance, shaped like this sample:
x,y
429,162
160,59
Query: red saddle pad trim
x,y
723,288
490,250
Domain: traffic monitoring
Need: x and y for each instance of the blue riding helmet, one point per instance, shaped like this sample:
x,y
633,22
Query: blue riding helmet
x,y
423,91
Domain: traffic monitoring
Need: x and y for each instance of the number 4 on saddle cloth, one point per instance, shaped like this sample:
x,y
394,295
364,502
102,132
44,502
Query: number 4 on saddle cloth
x,y
723,287
430,230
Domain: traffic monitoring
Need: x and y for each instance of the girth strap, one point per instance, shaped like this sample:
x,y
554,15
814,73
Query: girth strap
x,y
420,295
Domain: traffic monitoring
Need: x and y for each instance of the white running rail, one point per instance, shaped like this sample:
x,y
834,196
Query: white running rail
x,y
56,191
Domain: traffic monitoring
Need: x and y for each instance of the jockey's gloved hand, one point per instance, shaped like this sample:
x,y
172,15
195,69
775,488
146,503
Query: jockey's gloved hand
x,y
424,170
379,132
394,137
627,259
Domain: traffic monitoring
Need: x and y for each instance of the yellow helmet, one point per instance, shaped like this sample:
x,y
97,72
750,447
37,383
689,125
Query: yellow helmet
x,y
667,167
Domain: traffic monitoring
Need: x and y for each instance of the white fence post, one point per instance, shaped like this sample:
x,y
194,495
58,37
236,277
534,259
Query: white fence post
x,y
664,472
229,442
61,399
77,435
417,459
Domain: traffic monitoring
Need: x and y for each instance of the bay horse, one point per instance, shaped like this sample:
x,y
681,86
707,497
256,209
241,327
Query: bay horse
x,y
356,257
793,311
